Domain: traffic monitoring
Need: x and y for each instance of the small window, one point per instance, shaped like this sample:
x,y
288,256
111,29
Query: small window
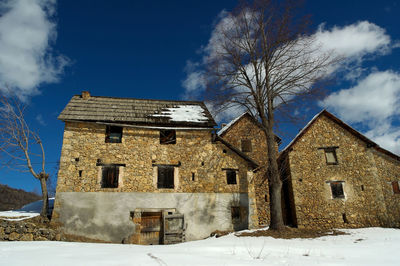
x,y
337,190
113,134
165,176
246,145
235,212
167,137
231,177
110,175
330,156
395,186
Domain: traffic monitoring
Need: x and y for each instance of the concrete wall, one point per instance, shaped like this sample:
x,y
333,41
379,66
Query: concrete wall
x,y
107,215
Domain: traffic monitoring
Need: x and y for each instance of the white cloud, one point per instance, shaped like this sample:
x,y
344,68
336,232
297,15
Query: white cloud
x,y
26,35
40,120
375,103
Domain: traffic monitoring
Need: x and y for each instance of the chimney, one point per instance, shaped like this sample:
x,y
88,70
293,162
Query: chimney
x,y
85,95
223,125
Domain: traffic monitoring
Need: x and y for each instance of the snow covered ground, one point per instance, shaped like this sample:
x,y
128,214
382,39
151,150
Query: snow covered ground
x,y
27,211
370,246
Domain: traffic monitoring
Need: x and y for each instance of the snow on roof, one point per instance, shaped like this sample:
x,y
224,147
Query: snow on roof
x,y
225,128
184,113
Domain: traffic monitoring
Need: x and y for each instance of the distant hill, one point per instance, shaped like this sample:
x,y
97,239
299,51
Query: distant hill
x,y
12,199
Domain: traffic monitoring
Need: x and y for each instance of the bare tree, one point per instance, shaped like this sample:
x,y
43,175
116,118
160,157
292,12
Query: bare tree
x,y
261,59
17,141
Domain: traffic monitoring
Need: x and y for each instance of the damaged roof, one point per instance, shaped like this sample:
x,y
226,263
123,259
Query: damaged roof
x,y
136,111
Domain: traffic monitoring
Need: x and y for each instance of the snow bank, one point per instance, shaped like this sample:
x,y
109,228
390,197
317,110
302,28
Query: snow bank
x,y
370,246
27,211
184,113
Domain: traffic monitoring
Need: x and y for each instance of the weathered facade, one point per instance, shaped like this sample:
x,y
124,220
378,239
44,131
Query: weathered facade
x,y
335,177
245,134
143,172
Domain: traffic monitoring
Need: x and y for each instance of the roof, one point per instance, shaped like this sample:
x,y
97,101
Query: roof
x,y
237,151
335,119
136,111
228,126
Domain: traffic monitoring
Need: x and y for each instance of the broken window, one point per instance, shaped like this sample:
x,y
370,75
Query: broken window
x,y
337,190
113,134
246,145
110,175
395,186
231,176
235,212
330,155
165,177
167,137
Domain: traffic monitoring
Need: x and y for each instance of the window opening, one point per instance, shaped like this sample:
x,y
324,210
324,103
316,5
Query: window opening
x,y
113,134
80,173
246,145
165,177
193,177
110,175
167,137
345,218
337,190
330,156
395,186
231,177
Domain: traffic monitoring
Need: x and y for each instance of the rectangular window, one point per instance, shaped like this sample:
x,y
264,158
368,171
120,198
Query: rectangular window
x,y
330,156
167,137
246,145
395,186
110,175
113,134
231,177
165,176
337,190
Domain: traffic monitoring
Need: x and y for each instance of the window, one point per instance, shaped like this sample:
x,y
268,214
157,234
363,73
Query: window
x,y
110,175
231,176
337,190
395,186
235,213
113,134
246,145
330,156
167,137
165,176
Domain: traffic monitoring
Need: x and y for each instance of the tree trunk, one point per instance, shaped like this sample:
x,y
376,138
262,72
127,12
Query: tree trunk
x,y
275,183
45,198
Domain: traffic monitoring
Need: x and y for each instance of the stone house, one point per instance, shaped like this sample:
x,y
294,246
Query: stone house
x,y
336,177
245,134
148,172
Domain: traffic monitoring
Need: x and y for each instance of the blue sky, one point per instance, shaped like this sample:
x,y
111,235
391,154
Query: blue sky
x,y
51,50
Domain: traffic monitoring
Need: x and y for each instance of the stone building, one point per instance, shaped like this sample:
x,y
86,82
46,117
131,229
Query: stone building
x,y
336,177
245,134
149,171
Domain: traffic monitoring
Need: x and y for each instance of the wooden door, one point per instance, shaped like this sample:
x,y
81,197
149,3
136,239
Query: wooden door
x,y
151,228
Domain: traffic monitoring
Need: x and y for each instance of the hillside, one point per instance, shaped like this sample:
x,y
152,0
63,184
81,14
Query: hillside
x,y
12,199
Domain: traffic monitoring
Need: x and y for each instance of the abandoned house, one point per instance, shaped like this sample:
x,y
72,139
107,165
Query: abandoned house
x,y
245,134
149,172
334,177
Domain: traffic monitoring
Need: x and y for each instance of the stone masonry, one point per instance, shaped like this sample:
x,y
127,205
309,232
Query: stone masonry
x,y
362,169
245,128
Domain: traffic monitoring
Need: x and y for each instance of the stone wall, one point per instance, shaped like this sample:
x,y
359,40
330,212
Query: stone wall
x,y
364,196
199,164
245,128
26,230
